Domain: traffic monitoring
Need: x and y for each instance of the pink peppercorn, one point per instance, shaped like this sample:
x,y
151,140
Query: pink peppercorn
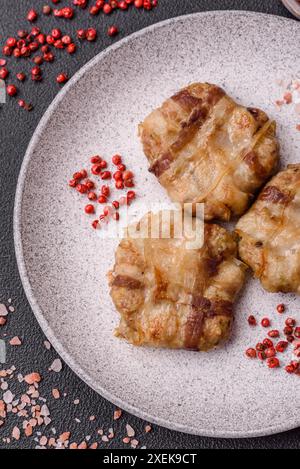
x,y
32,15
3,73
112,31
265,322
11,90
107,9
91,34
62,78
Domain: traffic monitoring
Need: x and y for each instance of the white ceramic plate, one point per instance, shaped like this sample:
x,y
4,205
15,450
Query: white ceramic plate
x,y
63,263
293,6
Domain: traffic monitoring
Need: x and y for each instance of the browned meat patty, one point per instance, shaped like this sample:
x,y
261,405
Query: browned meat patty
x,y
204,147
270,233
175,297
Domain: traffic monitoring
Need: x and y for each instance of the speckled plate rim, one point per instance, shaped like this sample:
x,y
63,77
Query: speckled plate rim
x,y
293,8
17,230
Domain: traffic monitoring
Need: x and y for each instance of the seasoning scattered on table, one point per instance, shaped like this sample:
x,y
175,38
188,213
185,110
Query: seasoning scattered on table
x,y
39,47
25,411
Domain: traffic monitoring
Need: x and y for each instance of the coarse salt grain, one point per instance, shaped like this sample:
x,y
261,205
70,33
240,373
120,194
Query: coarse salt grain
x,y
16,433
134,444
117,414
56,365
33,378
8,397
43,440
28,430
82,445
130,431
47,345
4,386
55,393
33,422
15,341
3,310
65,436
45,410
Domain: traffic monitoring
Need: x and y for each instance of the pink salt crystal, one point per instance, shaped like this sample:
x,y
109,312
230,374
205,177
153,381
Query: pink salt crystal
x,y
117,414
55,393
28,430
43,440
3,310
93,446
16,433
83,445
2,321
15,341
65,436
25,398
134,443
45,410
56,366
33,378
8,397
51,441
130,431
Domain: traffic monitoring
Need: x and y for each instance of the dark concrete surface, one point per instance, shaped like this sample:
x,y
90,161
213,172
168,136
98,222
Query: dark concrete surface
x,y
16,129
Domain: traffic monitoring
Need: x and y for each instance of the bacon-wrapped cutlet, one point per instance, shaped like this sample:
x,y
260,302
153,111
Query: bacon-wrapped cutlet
x,y
205,148
169,295
270,232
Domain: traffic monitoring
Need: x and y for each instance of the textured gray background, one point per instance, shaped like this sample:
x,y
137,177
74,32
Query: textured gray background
x,y
16,130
